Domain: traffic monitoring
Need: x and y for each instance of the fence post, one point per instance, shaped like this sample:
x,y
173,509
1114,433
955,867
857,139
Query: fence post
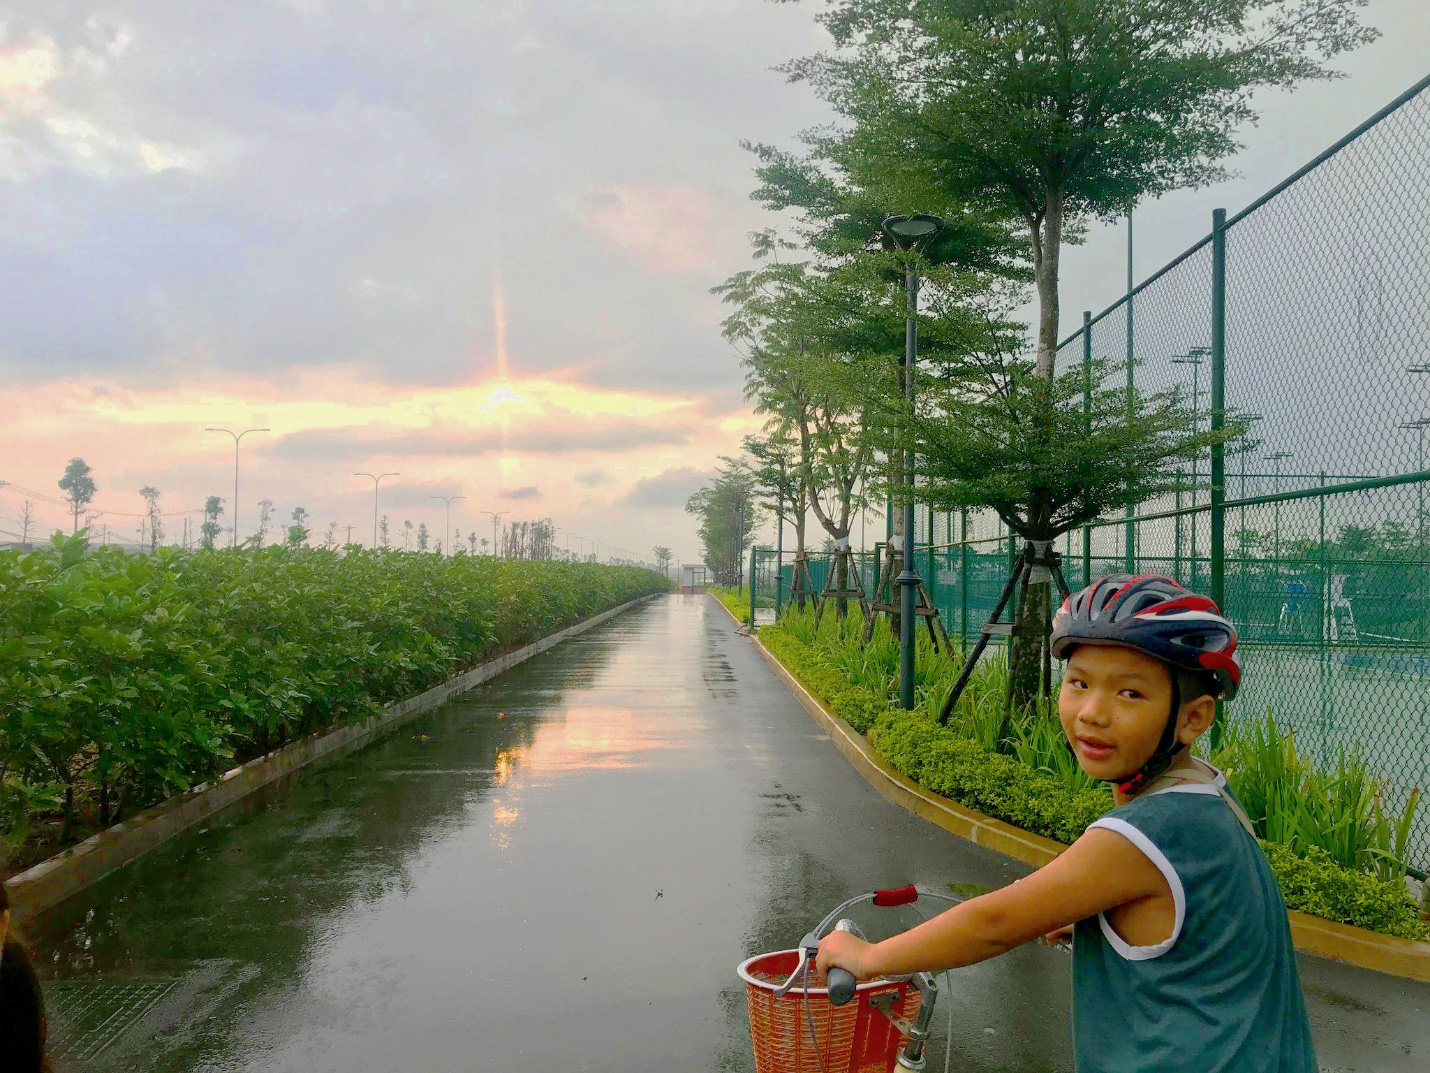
x,y
754,551
932,574
1218,400
1129,535
1087,422
963,575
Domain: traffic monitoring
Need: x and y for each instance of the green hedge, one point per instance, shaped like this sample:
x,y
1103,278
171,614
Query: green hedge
x,y
127,678
737,604
999,786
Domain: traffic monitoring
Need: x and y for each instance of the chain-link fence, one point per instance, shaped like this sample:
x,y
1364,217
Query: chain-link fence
x,y
1306,317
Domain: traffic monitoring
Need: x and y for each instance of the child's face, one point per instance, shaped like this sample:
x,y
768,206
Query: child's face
x,y
1113,706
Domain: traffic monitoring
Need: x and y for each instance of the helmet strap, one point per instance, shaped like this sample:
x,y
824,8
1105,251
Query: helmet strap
x,y
1167,748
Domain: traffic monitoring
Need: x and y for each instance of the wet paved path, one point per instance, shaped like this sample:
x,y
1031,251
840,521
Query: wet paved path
x,y
558,872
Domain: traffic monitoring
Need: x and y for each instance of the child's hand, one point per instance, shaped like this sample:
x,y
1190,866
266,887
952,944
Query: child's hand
x,y
1060,937
846,951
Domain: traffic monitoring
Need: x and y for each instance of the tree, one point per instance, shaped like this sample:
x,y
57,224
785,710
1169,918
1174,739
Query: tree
x,y
298,532
265,516
662,558
27,519
382,531
78,486
213,507
407,535
330,538
472,542
422,536
1055,113
485,545
728,515
156,527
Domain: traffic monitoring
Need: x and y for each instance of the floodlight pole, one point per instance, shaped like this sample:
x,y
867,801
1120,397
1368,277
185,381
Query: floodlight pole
x,y
233,543
376,482
447,526
496,517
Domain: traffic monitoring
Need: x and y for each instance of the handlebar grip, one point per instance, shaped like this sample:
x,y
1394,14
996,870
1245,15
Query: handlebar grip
x,y
841,985
896,896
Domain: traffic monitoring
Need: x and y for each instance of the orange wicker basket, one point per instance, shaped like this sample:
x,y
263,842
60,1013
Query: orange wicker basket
x,y
854,1038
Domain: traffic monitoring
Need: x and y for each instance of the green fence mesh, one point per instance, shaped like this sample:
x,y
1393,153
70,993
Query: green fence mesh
x,y
1326,359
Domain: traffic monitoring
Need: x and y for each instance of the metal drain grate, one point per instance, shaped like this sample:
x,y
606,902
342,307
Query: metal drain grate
x,y
86,1016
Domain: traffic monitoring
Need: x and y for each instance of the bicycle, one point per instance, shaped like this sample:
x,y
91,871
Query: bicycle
x,y
865,1037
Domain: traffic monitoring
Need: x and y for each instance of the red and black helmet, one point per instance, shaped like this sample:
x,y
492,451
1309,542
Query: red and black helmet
x,y
1155,615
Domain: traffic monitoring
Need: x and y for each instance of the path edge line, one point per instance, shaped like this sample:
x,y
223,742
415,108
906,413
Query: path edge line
x,y
1360,947
44,885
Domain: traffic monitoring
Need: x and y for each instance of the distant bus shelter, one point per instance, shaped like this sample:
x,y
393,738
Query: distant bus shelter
x,y
692,578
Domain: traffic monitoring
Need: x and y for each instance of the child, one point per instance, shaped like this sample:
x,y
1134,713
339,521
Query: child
x,y
1182,953
22,1010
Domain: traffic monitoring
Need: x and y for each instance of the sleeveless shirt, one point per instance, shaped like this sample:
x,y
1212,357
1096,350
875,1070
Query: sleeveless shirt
x,y
1222,992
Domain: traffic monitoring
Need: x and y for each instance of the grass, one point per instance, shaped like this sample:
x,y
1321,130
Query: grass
x,y
1341,813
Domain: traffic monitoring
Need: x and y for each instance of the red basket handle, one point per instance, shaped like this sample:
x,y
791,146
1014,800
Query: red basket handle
x,y
896,896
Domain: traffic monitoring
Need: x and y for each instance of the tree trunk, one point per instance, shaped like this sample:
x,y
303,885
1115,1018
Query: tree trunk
x,y
1034,621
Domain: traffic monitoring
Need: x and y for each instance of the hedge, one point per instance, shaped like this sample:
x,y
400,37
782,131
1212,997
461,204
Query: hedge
x,y
999,786
127,678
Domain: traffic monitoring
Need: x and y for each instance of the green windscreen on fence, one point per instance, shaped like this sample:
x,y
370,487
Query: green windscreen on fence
x,y
1324,355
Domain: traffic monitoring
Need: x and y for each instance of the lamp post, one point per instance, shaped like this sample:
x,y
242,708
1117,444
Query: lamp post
x,y
906,233
496,517
1193,357
236,437
1276,457
447,526
1247,448
376,483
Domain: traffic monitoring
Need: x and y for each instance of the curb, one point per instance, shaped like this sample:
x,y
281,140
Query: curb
x,y
1364,949
50,882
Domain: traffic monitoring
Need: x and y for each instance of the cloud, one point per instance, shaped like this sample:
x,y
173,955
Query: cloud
x,y
665,490
359,442
666,229
529,491
592,478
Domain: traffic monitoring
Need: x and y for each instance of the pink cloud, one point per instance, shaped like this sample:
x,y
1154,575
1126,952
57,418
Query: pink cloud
x,y
667,229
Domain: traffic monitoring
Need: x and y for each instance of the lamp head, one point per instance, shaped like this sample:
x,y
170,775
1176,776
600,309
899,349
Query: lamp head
x,y
906,231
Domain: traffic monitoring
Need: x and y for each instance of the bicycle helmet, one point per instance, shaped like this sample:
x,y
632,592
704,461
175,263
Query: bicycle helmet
x,y
1164,619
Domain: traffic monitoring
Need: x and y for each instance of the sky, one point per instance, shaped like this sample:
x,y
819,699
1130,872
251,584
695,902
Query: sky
x,y
469,244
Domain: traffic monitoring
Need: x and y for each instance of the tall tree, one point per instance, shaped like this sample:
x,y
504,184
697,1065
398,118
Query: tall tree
x,y
728,511
298,531
383,531
1056,113
156,526
662,558
78,486
265,517
423,537
330,538
27,520
209,531
407,535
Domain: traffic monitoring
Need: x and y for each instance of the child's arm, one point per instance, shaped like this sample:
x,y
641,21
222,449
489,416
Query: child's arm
x,y
1098,872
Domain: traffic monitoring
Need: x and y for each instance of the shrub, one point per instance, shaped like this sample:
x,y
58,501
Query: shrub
x,y
125,679
949,762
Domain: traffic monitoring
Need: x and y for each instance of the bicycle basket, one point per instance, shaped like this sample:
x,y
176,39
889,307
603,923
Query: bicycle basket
x,y
854,1038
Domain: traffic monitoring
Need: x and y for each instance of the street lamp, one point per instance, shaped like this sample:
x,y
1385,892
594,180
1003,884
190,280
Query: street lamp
x,y
906,232
447,527
1276,522
376,482
1247,447
236,437
496,517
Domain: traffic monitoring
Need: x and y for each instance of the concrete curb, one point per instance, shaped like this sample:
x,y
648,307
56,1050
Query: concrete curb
x,y
1311,934
57,878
